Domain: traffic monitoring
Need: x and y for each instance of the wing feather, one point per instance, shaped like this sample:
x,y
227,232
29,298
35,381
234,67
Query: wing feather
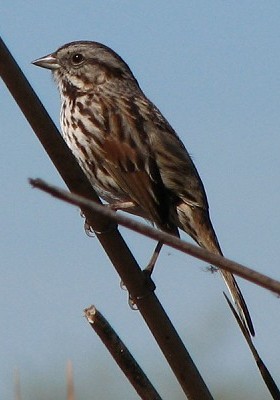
x,y
134,169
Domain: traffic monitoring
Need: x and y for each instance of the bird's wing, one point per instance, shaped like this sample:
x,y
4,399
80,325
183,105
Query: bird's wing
x,y
176,167
130,162
179,174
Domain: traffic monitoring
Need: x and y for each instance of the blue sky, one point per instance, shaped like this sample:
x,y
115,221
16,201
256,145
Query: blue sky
x,y
213,70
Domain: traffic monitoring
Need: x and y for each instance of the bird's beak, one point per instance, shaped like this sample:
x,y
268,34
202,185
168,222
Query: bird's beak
x,y
50,62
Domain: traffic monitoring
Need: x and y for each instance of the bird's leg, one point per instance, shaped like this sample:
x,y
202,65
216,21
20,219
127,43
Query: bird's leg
x,y
150,267
147,272
130,206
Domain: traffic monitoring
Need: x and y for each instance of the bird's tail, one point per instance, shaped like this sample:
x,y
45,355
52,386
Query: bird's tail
x,y
196,222
239,300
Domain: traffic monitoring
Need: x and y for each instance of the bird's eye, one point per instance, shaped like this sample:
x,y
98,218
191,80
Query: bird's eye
x,y
77,58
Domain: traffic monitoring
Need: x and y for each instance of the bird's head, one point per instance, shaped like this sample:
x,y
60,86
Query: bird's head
x,y
85,65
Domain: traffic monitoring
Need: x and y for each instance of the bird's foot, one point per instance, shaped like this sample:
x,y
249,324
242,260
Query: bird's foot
x,y
148,288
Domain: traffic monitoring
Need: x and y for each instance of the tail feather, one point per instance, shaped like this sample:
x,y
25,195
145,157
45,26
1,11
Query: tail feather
x,y
196,222
238,300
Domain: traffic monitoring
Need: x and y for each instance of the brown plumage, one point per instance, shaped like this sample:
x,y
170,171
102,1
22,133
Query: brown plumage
x,y
128,150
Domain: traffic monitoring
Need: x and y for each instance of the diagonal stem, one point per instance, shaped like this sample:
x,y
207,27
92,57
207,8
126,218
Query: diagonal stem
x,y
163,237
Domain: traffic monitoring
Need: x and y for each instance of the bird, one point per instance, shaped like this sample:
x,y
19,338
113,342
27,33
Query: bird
x,y
129,152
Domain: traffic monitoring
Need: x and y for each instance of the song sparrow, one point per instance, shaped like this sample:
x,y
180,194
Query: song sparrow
x,y
127,149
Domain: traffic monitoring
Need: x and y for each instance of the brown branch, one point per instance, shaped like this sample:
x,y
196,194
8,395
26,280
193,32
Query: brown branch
x,y
172,241
121,355
112,242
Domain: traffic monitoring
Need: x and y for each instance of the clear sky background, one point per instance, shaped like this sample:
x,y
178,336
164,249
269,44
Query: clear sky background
x,y
212,67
